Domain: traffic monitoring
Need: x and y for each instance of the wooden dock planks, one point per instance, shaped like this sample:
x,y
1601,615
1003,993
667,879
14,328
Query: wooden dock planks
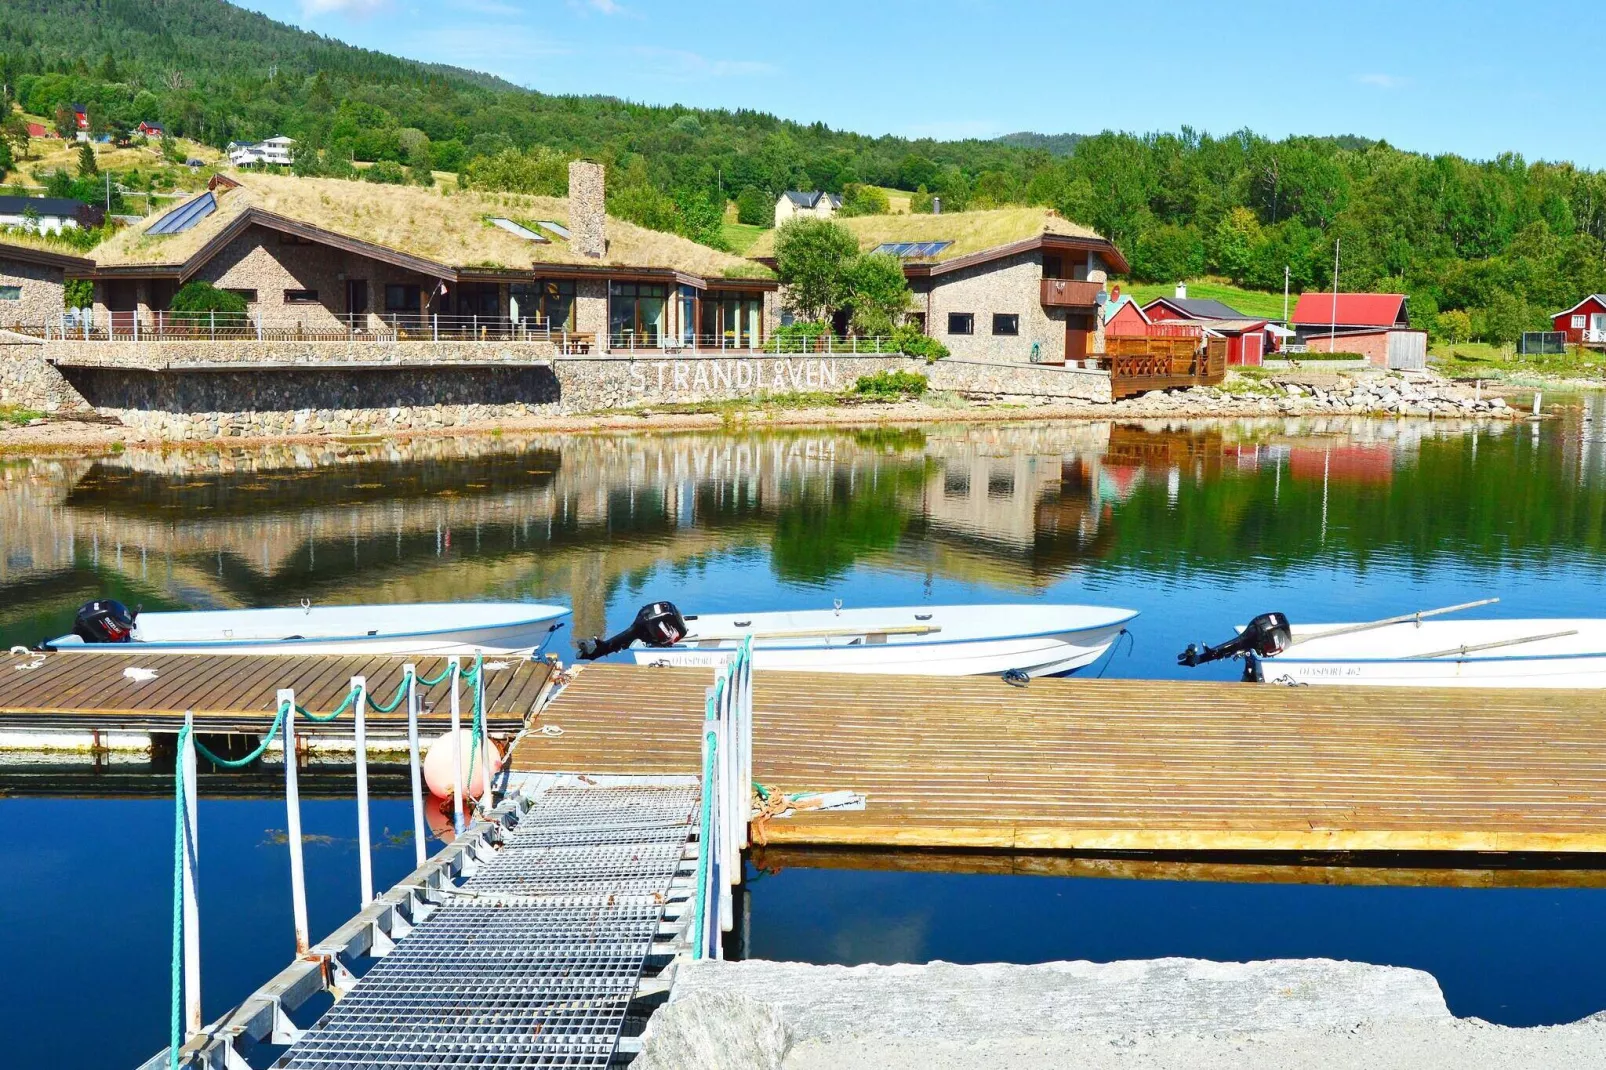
x,y
1124,764
238,692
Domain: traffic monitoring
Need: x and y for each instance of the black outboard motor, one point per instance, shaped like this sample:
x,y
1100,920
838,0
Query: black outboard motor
x,y
656,624
104,621
1265,636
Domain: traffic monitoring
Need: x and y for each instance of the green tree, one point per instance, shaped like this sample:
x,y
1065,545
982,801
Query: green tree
x,y
58,183
171,152
859,199
6,161
540,171
14,129
1168,253
78,293
202,304
754,207
1235,243
86,160
1454,326
385,172
878,293
814,259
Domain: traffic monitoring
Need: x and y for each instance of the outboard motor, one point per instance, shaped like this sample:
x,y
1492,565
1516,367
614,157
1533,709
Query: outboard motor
x,y
104,621
1265,636
656,624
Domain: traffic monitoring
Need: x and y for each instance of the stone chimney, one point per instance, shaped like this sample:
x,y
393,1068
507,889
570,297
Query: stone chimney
x,y
588,218
1182,287
936,206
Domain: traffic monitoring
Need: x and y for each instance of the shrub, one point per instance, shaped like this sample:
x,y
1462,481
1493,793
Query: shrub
x,y
387,172
891,385
912,342
755,207
859,199
202,303
878,293
813,258
797,337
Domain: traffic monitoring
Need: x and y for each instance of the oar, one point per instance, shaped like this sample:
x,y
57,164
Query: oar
x,y
820,633
1489,646
1409,618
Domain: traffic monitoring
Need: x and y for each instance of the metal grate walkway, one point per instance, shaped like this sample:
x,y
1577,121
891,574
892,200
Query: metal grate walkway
x,y
539,967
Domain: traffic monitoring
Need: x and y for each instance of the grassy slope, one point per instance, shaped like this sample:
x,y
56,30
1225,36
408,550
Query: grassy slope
x,y
739,237
1249,302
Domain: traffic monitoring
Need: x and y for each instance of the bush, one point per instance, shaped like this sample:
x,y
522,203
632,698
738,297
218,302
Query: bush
x,y
912,342
891,385
1313,355
204,304
755,207
386,172
797,337
859,199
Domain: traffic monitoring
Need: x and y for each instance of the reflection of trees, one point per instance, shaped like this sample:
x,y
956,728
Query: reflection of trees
x,y
821,535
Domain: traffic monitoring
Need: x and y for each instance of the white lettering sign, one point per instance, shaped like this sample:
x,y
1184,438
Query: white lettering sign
x,y
733,376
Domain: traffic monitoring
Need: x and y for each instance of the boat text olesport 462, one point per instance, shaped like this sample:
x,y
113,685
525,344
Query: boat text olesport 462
x,y
1412,650
440,628
1038,640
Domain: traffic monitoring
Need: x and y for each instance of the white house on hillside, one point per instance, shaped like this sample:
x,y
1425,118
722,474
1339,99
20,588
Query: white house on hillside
x,y
275,150
795,203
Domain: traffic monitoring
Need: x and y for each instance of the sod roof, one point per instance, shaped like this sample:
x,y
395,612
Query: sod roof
x,y
970,232
448,229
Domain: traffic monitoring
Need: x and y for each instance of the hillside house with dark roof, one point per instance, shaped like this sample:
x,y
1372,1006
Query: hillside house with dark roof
x,y
32,281
1183,307
49,215
794,203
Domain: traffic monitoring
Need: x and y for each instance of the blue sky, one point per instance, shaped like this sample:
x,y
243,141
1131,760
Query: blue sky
x,y
1471,76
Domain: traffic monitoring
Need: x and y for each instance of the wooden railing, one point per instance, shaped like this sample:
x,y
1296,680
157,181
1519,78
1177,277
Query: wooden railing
x,y
1140,364
1069,293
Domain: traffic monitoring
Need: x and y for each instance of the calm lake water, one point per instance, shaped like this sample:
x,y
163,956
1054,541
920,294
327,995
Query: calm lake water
x,y
1196,526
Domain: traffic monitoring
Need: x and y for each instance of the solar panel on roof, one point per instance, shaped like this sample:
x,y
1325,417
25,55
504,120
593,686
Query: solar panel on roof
x,y
185,215
557,228
517,229
912,250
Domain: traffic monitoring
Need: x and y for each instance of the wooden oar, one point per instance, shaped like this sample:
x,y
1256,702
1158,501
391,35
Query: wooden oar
x,y
1409,618
819,633
1489,646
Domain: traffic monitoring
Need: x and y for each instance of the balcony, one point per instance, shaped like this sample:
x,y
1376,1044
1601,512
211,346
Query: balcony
x,y
1068,293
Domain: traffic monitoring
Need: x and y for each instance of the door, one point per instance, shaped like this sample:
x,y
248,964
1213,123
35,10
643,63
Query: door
x,y
1077,329
1597,327
356,303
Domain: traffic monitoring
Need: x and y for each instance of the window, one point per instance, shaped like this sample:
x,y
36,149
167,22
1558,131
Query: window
x,y
730,319
301,297
248,296
1003,324
961,323
1578,321
1053,267
10,293
636,314
402,297
547,301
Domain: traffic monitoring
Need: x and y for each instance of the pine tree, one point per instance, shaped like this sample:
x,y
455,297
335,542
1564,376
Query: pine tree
x,y
86,160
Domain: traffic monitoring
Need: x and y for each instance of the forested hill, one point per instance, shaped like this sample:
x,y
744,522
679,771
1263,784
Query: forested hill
x,y
1493,244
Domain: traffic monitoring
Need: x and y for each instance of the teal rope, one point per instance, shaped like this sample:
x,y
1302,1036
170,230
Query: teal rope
x,y
431,682
240,763
176,1038
396,699
351,696
706,846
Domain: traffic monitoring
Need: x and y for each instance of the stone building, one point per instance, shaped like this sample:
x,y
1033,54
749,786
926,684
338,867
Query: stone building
x,y
323,256
1005,285
32,282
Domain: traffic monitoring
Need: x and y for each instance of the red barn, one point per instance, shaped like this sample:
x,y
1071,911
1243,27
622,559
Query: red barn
x,y
1585,323
1246,339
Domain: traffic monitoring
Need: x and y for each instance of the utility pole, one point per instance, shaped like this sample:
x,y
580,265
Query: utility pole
x,y
1286,273
1332,328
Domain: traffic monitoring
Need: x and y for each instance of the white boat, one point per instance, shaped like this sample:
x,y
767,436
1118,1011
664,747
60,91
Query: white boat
x,y
1039,640
1542,652
438,628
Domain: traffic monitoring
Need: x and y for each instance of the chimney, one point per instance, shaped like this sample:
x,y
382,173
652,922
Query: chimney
x,y
1182,291
936,206
588,217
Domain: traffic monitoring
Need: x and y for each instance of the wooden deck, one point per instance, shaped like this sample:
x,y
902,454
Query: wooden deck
x,y
237,692
1123,765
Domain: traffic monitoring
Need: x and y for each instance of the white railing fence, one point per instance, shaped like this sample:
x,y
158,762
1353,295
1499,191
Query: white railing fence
x,y
726,801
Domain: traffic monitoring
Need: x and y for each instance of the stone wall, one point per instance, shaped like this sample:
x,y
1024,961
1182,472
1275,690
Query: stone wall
x,y
588,384
313,353
1040,383
1008,286
40,300
26,380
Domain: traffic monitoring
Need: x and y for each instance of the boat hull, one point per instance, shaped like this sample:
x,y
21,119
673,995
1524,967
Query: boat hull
x,y
505,629
943,653
1384,658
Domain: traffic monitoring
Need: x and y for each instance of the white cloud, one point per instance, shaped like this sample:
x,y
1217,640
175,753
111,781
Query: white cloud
x,y
355,8
690,66
1382,81
602,7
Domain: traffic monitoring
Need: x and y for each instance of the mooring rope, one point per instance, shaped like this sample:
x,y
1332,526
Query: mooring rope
x,y
176,1038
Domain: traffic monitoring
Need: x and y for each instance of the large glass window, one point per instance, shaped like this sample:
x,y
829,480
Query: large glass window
x,y
731,319
688,316
402,297
547,301
636,314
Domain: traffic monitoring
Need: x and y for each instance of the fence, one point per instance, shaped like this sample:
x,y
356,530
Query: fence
x,y
1543,343
186,979
1139,364
727,800
358,327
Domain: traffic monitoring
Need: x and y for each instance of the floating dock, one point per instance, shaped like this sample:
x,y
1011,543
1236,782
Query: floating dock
x,y
236,693
1120,765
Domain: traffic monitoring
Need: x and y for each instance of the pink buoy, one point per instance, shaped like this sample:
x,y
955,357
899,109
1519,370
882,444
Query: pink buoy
x,y
438,765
